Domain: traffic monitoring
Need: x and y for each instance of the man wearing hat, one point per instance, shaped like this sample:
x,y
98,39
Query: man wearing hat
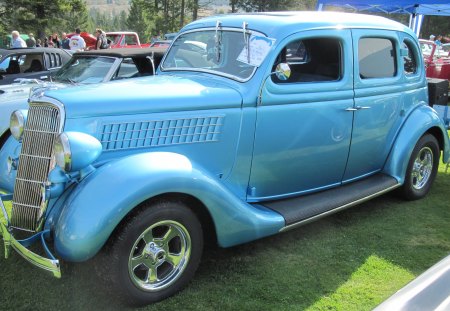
x,y
432,37
31,42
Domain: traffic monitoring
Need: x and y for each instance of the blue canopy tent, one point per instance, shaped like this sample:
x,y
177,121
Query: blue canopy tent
x,y
416,8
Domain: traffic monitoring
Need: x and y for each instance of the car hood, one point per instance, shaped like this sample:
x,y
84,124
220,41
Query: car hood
x,y
161,93
15,90
15,96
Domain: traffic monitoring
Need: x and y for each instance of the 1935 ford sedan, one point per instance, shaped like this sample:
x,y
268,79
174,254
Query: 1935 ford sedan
x,y
255,124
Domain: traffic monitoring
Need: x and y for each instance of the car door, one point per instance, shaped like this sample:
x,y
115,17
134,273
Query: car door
x,y
303,127
379,106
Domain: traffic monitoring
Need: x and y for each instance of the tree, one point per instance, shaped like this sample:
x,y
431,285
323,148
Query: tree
x,y
76,16
138,20
42,16
262,5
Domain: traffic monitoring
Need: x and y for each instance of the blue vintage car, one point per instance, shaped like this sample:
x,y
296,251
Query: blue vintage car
x,y
254,125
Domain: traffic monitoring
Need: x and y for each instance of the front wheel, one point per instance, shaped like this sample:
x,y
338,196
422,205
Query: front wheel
x,y
422,168
156,253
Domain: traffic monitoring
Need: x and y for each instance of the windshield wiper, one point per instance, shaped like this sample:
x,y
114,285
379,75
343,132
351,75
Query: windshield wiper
x,y
218,41
246,39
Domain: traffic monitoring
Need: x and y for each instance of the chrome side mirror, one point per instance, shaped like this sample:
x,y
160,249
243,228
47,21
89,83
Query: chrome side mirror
x,y
283,71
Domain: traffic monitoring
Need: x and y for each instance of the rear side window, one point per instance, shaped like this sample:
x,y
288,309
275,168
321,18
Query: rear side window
x,y
410,63
376,58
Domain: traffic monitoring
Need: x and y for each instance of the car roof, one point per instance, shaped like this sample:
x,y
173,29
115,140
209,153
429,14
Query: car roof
x,y
124,52
280,24
30,50
120,33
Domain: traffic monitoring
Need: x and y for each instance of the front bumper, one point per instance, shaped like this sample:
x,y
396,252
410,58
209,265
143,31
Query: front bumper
x,y
20,246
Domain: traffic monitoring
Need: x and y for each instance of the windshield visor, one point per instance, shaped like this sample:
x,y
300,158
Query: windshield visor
x,y
214,51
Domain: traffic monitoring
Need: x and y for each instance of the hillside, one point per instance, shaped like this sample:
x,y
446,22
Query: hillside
x,y
116,6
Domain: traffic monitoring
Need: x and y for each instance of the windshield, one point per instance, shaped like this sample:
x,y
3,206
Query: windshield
x,y
215,51
85,70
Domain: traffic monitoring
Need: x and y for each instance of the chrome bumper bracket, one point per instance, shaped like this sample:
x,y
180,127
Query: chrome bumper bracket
x,y
50,264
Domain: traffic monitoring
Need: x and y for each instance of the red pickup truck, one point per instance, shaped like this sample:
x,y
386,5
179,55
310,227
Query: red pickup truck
x,y
117,39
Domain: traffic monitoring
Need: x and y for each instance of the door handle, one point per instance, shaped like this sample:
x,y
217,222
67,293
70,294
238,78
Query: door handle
x,y
357,108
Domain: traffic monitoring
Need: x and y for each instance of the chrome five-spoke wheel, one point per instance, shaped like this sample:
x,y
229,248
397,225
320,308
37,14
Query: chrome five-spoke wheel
x,y
422,168
159,255
155,252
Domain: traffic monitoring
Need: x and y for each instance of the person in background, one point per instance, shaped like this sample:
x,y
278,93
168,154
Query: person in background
x,y
101,43
154,38
77,42
438,41
31,42
56,41
65,41
17,41
38,43
50,43
432,37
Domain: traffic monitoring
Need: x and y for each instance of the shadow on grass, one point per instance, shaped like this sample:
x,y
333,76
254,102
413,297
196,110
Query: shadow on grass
x,y
289,271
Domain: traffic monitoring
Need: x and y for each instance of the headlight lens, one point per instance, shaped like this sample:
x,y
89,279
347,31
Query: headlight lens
x,y
17,123
62,153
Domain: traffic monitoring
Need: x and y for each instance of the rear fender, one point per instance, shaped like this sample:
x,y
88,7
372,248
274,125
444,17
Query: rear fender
x,y
422,120
100,202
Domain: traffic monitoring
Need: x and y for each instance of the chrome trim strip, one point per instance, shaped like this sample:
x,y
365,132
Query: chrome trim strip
x,y
337,209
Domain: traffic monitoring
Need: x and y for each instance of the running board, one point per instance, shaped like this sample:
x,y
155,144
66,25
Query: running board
x,y
304,209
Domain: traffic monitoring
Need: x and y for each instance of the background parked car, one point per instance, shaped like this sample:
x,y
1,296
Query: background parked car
x,y
30,63
84,68
436,59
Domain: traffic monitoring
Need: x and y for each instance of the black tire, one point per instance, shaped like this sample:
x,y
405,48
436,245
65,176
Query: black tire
x,y
422,168
170,228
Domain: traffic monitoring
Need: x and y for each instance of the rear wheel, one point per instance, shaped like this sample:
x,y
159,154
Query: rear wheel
x,y
155,254
422,168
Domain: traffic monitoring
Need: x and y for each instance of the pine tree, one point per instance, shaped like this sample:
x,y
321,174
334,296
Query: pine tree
x,y
137,19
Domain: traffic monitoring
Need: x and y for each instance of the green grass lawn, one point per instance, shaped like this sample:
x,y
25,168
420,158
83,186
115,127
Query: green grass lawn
x,y
352,260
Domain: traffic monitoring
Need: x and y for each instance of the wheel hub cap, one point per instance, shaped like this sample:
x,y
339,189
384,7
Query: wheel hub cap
x,y
159,255
422,168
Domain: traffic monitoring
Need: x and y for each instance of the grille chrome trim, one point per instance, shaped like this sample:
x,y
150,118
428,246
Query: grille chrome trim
x,y
44,123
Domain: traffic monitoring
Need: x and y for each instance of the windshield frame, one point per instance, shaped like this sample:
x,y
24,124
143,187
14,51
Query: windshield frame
x,y
214,72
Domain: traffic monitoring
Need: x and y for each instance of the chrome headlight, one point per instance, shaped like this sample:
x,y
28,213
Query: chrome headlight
x,y
74,151
61,151
17,123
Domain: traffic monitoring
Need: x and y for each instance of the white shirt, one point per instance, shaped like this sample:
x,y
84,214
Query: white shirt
x,y
77,43
18,43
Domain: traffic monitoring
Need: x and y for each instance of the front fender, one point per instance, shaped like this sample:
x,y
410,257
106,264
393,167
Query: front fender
x,y
96,206
418,123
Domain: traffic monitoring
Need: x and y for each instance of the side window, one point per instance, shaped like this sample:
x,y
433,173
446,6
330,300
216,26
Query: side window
x,y
127,69
311,60
130,40
410,63
48,60
55,62
376,58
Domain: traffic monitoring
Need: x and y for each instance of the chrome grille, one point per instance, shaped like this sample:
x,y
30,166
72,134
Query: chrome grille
x,y
35,161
